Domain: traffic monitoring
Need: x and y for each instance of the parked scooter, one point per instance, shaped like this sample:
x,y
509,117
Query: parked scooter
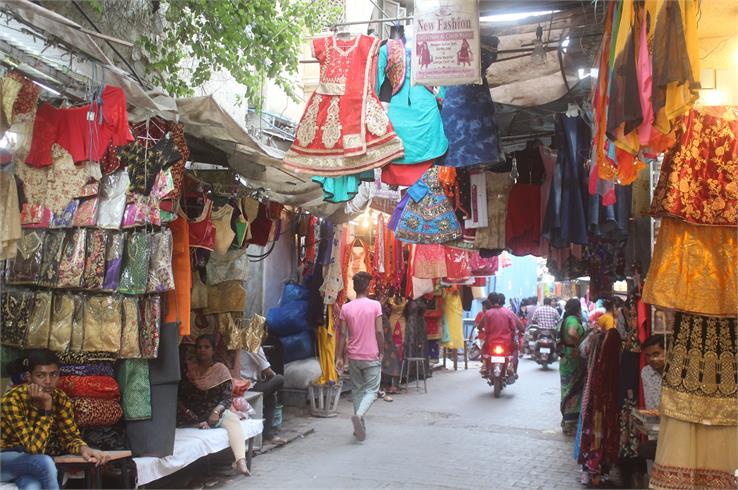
x,y
544,350
497,368
475,345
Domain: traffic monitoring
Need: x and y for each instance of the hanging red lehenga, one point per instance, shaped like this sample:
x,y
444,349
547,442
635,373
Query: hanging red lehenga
x,y
344,129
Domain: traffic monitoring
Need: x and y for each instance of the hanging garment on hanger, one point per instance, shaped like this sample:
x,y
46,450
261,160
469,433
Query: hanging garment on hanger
x,y
498,190
74,131
343,188
224,234
344,129
427,216
414,114
201,229
469,123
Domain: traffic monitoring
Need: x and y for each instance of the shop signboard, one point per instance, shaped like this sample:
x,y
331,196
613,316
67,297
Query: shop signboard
x,y
446,50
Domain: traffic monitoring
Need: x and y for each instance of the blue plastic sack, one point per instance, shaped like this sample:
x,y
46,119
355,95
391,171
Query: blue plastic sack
x,y
294,292
298,347
288,319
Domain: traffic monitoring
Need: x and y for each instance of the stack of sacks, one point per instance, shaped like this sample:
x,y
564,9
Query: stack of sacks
x,y
94,392
290,322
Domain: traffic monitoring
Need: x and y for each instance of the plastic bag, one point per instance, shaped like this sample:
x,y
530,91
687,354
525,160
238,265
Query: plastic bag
x,y
294,292
297,347
288,319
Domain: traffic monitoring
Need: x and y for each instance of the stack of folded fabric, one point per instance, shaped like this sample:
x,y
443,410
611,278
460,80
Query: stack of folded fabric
x,y
94,392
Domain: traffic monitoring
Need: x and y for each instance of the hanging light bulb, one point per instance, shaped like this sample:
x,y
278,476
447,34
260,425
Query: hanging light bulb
x,y
539,54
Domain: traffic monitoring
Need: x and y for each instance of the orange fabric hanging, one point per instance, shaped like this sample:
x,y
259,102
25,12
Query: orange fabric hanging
x,y
178,299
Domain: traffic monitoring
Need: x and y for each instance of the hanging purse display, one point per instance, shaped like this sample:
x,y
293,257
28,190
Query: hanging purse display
x,y
86,214
253,334
149,326
135,272
17,305
94,272
103,323
161,275
39,322
129,344
113,260
53,248
72,262
62,312
29,253
228,296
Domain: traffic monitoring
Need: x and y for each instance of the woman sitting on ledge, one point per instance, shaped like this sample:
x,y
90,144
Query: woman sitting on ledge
x,y
205,394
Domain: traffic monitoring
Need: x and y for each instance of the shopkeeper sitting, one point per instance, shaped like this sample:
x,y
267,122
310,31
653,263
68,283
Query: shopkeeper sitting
x,y
36,418
256,368
205,396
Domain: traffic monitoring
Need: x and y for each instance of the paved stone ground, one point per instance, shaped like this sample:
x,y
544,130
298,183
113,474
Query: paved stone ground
x,y
456,436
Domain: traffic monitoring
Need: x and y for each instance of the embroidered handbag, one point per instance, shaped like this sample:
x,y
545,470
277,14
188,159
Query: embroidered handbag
x,y
39,321
72,262
62,311
103,322
129,344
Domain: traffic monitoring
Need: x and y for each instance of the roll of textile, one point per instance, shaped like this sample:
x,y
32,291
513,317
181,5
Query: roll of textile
x,y
91,369
96,412
102,387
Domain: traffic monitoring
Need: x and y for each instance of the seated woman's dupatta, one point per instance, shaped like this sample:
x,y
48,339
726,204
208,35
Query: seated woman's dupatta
x,y
215,375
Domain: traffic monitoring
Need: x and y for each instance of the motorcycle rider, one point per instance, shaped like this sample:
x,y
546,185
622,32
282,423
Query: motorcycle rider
x,y
500,327
546,316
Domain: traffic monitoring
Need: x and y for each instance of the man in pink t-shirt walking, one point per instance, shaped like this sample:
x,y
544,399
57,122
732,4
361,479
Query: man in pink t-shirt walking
x,y
361,329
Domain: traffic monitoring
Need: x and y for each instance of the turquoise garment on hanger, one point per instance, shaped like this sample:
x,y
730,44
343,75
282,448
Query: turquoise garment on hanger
x,y
343,188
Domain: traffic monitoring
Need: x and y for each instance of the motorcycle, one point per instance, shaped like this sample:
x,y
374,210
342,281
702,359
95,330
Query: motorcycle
x,y
544,350
497,368
529,343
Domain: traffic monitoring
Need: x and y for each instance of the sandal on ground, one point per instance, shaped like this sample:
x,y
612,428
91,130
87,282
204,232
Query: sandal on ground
x,y
241,467
388,398
277,441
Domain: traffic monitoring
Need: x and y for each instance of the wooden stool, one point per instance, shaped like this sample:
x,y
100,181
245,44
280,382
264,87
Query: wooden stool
x,y
419,363
93,473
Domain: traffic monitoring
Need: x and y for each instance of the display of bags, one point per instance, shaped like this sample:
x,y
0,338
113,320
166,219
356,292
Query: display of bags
x,y
161,275
129,343
254,333
135,273
94,272
17,305
103,323
232,266
113,261
72,262
62,312
29,253
149,326
78,324
39,321
53,248
228,296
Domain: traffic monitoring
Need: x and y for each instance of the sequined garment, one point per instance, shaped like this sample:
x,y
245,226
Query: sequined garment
x,y
694,269
699,177
344,129
428,216
699,382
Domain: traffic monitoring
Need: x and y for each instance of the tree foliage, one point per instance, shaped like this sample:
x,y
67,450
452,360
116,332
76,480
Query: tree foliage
x,y
253,40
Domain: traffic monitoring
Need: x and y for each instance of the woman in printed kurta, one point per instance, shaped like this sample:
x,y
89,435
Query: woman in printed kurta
x,y
572,367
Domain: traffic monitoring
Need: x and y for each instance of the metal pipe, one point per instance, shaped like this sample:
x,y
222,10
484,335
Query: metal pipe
x,y
374,21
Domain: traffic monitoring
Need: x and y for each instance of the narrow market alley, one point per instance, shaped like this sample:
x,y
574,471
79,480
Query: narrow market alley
x,y
456,436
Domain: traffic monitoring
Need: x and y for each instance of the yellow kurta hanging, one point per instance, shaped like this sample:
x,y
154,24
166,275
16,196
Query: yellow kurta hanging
x,y
453,332
327,350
